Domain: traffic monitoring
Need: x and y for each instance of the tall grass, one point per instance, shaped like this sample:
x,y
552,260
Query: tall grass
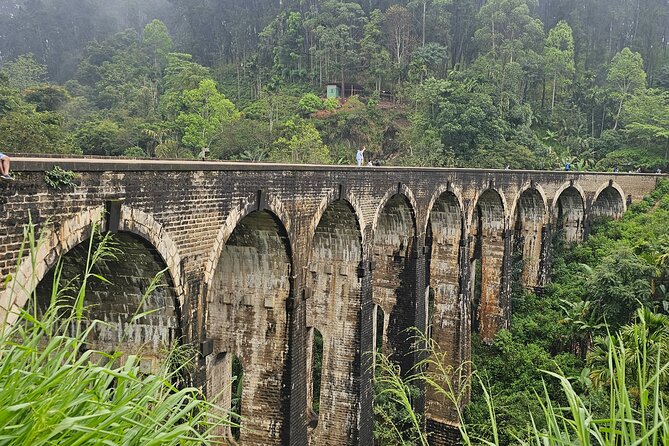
x,y
54,391
637,394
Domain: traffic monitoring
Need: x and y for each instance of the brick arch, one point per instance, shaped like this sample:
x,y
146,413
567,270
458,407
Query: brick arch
x,y
488,224
609,186
393,278
453,189
248,317
334,309
52,244
445,301
331,197
529,217
475,202
529,186
561,189
148,238
405,191
236,215
146,226
572,204
129,272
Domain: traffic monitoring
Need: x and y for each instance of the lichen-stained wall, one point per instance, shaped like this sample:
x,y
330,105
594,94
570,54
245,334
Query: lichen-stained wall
x,y
488,230
530,217
188,211
129,270
394,276
247,319
333,307
445,306
569,215
608,203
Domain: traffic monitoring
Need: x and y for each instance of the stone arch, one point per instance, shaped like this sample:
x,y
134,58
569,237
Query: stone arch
x,y
247,205
454,190
608,201
247,316
569,212
538,189
333,196
333,307
394,274
477,199
445,303
57,239
143,224
135,264
400,189
488,228
530,216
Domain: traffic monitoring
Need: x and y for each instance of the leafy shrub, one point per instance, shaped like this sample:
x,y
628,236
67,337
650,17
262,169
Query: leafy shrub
x,y
58,178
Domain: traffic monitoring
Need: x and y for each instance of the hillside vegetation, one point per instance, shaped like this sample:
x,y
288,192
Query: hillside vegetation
x,y
518,83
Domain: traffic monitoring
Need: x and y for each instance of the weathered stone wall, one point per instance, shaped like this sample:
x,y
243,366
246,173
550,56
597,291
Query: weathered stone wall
x,y
130,268
333,306
260,254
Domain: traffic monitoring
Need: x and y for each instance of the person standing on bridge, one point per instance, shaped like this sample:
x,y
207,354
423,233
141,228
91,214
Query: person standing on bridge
x,y
4,167
360,156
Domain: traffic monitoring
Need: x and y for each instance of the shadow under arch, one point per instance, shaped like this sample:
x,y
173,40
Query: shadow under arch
x,y
333,309
529,220
568,213
247,317
400,189
445,305
487,229
118,301
608,201
333,196
250,204
394,277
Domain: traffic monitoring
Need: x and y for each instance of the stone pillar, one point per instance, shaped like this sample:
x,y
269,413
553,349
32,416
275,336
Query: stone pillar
x,y
295,425
365,369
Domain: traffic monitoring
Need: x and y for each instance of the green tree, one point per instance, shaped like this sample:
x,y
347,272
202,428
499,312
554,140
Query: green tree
x,y
205,112
646,119
625,78
299,142
508,37
336,26
46,97
25,72
28,131
181,74
157,43
376,56
559,57
399,36
99,137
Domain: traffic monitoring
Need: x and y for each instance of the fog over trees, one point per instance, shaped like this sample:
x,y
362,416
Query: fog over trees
x,y
519,83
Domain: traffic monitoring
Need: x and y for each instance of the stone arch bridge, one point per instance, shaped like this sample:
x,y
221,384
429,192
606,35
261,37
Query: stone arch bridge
x,y
262,260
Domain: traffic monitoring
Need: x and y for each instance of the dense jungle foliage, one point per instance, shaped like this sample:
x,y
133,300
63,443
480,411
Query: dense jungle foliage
x,y
601,327
519,83
596,289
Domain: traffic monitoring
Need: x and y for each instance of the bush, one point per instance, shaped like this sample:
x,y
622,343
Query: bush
x,y
57,392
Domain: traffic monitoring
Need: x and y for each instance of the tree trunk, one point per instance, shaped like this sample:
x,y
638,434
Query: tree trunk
x,y
424,12
554,85
620,109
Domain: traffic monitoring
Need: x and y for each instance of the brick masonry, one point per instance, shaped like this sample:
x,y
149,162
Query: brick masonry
x,y
258,256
